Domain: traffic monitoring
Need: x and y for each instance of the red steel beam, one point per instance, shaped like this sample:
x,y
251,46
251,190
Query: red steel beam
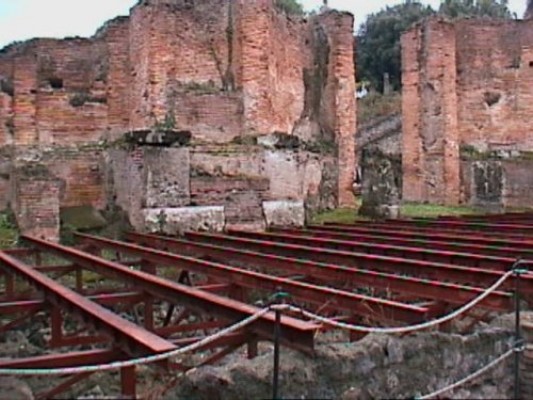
x,y
420,233
295,333
129,336
102,299
416,241
331,274
437,271
414,253
103,356
358,304
449,227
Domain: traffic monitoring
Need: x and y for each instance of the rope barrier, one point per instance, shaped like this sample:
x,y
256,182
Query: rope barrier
x,y
405,329
473,376
242,324
137,361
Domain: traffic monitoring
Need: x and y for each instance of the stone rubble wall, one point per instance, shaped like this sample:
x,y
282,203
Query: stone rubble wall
x,y
376,367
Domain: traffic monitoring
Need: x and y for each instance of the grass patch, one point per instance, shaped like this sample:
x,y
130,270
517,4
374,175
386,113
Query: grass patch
x,y
408,210
8,231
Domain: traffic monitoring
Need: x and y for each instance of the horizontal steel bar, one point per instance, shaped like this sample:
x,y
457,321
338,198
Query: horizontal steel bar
x,y
131,338
438,271
414,253
296,333
424,226
451,293
358,304
414,232
102,299
417,241
104,356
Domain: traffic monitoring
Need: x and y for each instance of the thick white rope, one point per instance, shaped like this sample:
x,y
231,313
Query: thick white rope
x,y
405,329
138,361
470,377
245,322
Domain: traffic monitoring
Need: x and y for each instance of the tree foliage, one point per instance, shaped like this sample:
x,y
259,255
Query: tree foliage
x,y
378,42
291,7
475,8
378,39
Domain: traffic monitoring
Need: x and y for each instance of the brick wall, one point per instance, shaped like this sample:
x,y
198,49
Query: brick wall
x,y
37,214
227,71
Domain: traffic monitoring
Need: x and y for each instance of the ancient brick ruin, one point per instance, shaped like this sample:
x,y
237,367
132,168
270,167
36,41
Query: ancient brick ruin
x,y
467,106
220,112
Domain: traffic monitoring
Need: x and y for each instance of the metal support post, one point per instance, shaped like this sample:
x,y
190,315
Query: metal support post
x,y
277,333
518,337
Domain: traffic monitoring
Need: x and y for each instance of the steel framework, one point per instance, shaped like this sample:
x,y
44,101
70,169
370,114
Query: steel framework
x,y
389,273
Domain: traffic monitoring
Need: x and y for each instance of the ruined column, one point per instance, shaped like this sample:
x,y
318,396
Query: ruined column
x,y
339,102
430,133
25,100
253,21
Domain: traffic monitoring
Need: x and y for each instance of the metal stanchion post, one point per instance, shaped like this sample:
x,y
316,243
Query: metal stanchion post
x,y
518,337
277,332
278,299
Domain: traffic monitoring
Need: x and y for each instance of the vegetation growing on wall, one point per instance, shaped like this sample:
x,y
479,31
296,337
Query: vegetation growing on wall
x,y
290,7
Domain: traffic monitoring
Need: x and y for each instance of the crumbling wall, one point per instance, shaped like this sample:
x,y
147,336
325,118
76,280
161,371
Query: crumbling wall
x,y
376,367
230,74
467,89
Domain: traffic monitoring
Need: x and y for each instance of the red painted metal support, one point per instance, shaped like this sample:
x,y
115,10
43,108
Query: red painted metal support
x,y
128,382
404,225
57,327
130,338
413,253
351,302
438,271
461,244
63,386
297,334
416,233
330,274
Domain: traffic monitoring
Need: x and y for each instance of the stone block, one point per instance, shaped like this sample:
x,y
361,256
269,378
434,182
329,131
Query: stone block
x,y
284,213
176,221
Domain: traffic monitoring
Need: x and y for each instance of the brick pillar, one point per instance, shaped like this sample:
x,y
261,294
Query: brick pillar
x,y
430,133
253,20
36,202
25,100
339,98
412,154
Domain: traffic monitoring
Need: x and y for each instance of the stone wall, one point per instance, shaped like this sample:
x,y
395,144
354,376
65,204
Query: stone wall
x,y
497,183
466,85
376,367
232,73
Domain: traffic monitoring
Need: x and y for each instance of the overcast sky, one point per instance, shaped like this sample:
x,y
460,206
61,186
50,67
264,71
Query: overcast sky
x,y
25,19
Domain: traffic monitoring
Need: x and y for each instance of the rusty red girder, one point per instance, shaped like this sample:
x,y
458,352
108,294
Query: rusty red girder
x,y
128,336
417,241
343,300
438,271
521,217
330,274
104,356
35,305
447,227
413,253
295,333
502,227
421,233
